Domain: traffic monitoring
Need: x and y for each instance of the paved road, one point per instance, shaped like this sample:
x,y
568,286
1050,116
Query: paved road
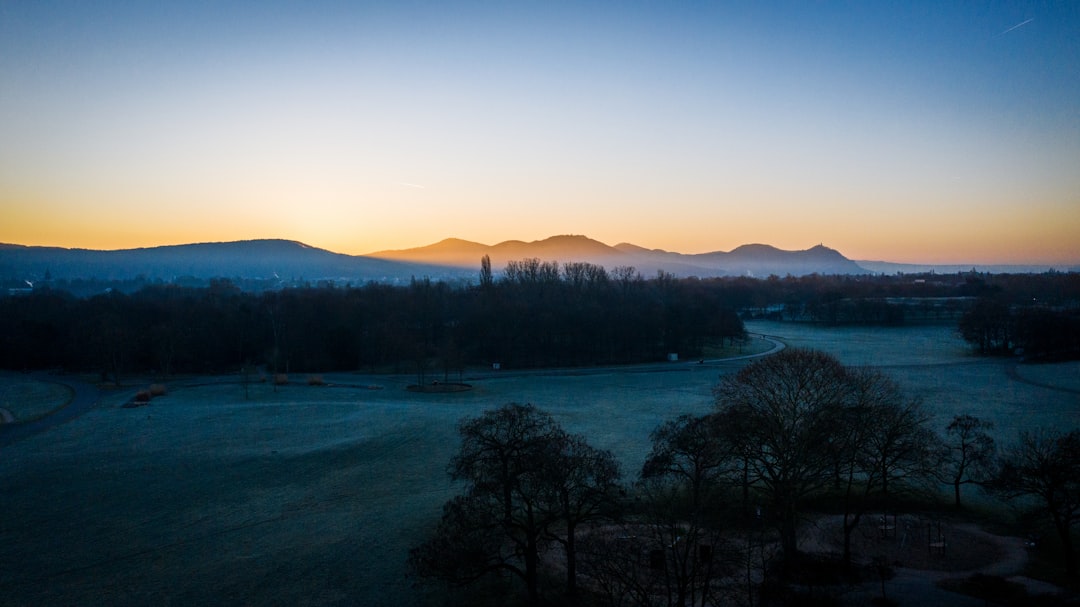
x,y
85,397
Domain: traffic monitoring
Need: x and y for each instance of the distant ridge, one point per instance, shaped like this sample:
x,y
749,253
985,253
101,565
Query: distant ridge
x,y
747,260
452,258
247,259
888,267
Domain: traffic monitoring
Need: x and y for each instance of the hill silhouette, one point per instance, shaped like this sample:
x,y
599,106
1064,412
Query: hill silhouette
x,y
449,258
262,259
747,260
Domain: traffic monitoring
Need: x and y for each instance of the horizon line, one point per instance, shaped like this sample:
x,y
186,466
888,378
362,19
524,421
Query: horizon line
x,y
1051,265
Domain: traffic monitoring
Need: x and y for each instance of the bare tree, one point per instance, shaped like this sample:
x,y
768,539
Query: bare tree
x,y
503,456
968,453
585,484
679,499
1047,467
529,483
788,405
467,544
881,440
691,450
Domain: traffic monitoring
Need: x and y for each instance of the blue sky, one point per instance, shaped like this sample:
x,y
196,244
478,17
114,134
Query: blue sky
x,y
923,132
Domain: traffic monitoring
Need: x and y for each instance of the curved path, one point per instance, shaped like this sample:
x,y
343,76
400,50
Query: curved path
x,y
918,586
1013,371
84,397
657,367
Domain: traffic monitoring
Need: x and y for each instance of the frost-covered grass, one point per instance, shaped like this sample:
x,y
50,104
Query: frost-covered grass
x,y
313,494
932,363
28,398
731,348
304,494
1064,375
879,346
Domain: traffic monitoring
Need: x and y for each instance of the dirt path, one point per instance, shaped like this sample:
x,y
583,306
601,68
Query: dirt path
x,y
657,367
1012,370
969,551
85,397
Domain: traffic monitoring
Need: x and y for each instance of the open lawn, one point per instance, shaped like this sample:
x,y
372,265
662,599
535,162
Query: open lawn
x,y
26,398
311,495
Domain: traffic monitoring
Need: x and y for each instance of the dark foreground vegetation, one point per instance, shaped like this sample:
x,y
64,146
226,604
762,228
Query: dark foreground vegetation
x,y
532,314
713,517
538,314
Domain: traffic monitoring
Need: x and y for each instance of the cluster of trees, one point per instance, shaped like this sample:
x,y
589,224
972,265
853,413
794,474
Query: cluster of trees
x,y
690,530
528,483
993,326
536,314
899,298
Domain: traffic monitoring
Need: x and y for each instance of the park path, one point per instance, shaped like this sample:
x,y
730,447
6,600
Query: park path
x,y
917,587
658,367
85,397
1012,370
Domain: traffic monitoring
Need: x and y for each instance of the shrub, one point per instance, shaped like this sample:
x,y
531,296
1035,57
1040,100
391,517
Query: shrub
x,y
157,390
281,379
315,380
142,396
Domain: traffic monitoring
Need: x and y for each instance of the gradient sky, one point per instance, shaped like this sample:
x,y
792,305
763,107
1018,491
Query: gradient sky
x,y
936,132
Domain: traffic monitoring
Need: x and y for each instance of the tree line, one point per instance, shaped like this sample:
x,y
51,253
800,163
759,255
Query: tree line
x,y
1036,331
535,314
713,515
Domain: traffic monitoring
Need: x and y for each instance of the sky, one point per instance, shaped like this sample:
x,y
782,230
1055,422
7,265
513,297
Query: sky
x,y
920,132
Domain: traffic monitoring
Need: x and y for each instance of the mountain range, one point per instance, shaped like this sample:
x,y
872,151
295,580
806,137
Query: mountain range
x,y
452,259
747,260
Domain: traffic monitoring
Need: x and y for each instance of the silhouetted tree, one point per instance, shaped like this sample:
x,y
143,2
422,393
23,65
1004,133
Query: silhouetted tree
x,y
987,325
528,482
691,450
1047,467
788,405
1048,334
486,278
968,455
880,439
679,502
585,483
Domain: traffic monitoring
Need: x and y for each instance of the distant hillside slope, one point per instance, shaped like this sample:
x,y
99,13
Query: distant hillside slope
x,y
747,260
763,260
887,267
244,259
447,259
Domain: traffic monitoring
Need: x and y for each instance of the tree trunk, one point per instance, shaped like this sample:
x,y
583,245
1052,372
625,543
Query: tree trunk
x,y
848,529
956,492
571,561
1065,531
788,538
746,485
531,558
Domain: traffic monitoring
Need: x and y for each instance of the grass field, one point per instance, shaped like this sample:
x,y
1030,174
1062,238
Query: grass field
x,y
26,398
311,495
